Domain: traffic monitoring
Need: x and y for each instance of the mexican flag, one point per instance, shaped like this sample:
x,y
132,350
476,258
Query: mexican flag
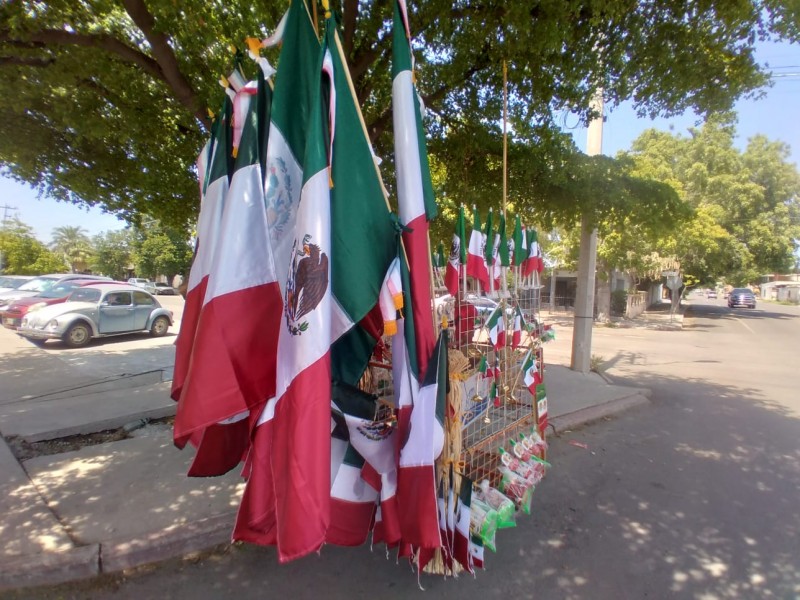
x,y
488,248
215,188
496,268
326,333
541,407
532,377
519,325
287,498
462,519
421,408
520,243
458,255
476,261
416,203
505,247
497,328
494,396
534,261
288,129
476,551
232,368
371,449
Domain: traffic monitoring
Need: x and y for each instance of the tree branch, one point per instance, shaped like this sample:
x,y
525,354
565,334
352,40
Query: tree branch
x,y
30,61
103,41
350,10
166,59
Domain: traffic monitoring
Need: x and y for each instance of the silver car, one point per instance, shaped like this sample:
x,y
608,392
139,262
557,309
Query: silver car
x,y
97,310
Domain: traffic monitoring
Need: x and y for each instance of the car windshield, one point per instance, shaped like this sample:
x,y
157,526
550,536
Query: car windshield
x,y
60,291
10,282
38,284
741,291
84,295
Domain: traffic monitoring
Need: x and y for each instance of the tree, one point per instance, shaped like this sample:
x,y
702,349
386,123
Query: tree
x,y
110,98
746,204
161,251
74,245
22,254
113,253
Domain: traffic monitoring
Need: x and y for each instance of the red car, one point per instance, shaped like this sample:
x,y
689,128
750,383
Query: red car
x,y
12,316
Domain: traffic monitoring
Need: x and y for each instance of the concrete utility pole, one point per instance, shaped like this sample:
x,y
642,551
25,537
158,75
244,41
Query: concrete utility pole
x,y
587,261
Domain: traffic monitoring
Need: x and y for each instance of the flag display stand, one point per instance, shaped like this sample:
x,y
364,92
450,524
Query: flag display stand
x,y
497,394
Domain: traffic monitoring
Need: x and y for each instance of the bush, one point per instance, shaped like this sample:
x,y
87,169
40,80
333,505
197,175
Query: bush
x,y
619,302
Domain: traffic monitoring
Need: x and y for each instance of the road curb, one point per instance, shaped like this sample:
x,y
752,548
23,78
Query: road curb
x,y
588,415
169,543
50,568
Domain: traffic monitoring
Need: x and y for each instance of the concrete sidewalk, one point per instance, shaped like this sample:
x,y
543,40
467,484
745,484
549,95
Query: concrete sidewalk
x,y
115,505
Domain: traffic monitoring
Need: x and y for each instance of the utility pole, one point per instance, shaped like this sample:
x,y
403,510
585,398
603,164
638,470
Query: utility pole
x,y
587,261
6,208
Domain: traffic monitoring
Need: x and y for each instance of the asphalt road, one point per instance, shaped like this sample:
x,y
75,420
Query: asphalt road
x,y
693,496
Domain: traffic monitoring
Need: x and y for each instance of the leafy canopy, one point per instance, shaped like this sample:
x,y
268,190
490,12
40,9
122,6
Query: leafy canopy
x,y
106,101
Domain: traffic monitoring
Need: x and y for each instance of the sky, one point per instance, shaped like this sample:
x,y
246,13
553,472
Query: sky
x,y
775,115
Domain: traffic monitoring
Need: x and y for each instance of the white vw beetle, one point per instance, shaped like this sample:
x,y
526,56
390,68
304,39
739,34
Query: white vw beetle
x,y
97,310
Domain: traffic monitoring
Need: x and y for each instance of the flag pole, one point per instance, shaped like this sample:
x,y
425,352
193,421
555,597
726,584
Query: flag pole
x,y
504,283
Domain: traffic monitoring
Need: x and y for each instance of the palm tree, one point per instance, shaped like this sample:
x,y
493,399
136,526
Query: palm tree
x,y
74,245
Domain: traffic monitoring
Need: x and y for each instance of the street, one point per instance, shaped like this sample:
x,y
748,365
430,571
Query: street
x,y
693,496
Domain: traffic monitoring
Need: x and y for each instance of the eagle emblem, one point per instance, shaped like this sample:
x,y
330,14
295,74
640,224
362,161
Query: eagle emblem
x,y
306,285
278,198
375,430
455,251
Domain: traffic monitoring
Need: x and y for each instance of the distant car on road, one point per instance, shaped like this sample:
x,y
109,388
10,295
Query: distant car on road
x,y
742,297
97,311
12,316
711,295
165,289
145,284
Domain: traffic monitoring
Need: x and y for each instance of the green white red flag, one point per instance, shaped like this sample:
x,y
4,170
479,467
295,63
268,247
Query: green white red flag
x,y
458,256
519,326
532,377
214,189
520,243
232,365
497,328
476,260
461,542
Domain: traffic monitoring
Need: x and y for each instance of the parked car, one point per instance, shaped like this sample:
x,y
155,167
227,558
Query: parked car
x,y
145,284
12,316
40,284
165,289
96,311
742,297
12,282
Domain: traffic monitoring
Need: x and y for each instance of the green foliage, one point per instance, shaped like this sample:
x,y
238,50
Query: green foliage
x,y
22,254
619,302
746,211
112,256
161,251
109,99
73,244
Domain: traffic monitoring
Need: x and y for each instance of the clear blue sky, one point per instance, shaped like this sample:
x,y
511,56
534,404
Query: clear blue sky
x,y
775,116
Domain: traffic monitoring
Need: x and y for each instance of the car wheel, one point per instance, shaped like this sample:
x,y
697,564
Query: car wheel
x,y
78,335
159,327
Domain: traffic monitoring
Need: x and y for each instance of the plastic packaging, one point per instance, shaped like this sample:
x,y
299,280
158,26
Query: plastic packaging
x,y
517,488
521,468
499,502
483,521
520,451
